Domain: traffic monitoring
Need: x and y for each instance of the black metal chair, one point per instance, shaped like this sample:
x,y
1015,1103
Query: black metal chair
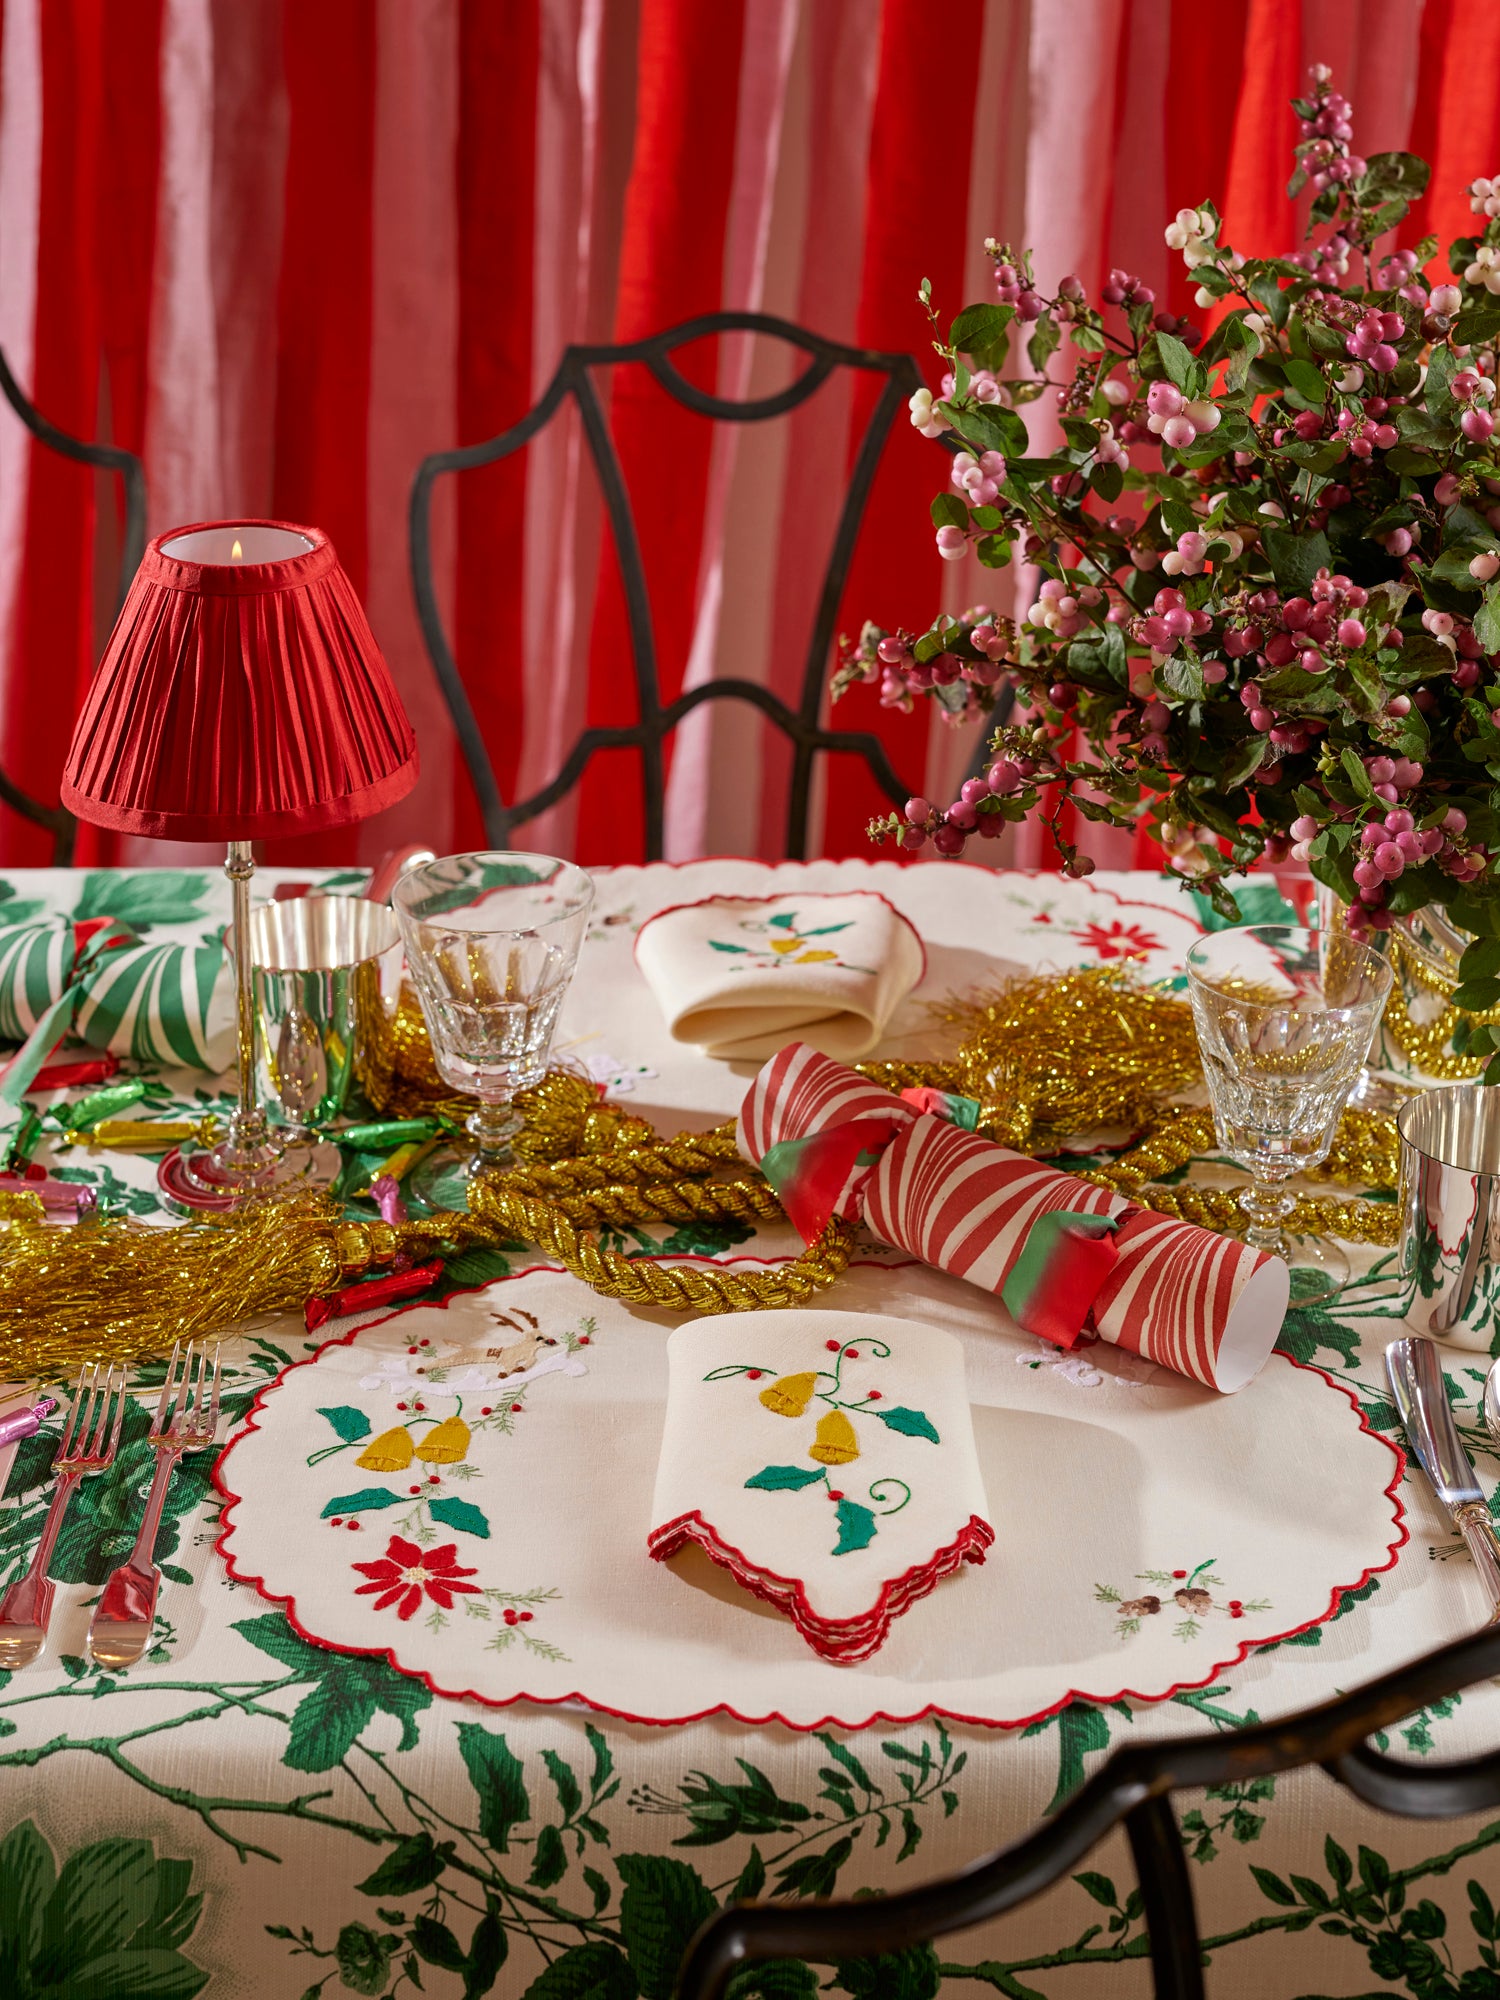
x,y
655,720
1134,1786
56,820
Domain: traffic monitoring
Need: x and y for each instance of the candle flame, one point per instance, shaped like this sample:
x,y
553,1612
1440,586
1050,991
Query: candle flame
x,y
236,554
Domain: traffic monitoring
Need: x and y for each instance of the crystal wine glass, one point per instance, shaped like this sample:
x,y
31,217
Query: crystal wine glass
x,y
1285,1019
491,942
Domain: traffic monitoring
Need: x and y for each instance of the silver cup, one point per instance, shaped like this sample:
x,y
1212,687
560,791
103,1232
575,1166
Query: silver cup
x,y
1450,1213
327,982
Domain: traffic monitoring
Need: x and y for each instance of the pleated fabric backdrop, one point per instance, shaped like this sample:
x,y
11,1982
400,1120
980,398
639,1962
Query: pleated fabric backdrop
x,y
282,251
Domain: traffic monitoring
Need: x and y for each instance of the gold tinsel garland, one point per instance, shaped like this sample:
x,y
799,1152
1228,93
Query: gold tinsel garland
x,y
1049,1060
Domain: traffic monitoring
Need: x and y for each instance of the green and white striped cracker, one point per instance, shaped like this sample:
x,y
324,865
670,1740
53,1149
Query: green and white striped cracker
x,y
165,1003
35,960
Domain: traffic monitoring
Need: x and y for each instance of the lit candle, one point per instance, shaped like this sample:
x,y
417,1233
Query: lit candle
x,y
229,542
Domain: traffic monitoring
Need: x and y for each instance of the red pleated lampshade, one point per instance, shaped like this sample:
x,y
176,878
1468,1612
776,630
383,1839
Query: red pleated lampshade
x,y
239,698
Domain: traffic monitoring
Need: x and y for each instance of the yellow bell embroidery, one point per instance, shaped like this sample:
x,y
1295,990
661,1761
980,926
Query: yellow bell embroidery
x,y
789,1395
835,1443
783,945
390,1452
814,957
447,1444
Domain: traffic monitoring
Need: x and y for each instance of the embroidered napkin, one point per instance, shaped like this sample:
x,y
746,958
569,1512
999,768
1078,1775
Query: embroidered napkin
x,y
827,1461
741,975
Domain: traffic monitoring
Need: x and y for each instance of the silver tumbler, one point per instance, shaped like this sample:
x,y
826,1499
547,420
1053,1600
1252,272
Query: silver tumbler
x,y
327,982
1450,1212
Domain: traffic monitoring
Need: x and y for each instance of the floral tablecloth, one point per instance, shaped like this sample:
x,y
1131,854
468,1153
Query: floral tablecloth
x,y
247,1814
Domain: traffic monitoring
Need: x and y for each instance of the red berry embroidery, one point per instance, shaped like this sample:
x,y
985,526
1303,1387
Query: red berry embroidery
x,y
525,1617
413,1489
1179,1572
337,1521
401,1406
433,1479
425,1343
851,1354
515,1409
754,1374
351,1524
873,1396
833,1495
411,1350
419,1406
510,1616
1236,1611
583,1341
485,1411
832,1346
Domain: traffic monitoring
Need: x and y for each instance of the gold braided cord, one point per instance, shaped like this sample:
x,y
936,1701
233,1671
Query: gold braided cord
x,y
645,1282
1049,1060
1313,1215
668,1201
1428,1044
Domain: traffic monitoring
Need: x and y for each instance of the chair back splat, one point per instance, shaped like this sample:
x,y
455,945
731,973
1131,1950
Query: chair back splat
x,y
56,820
1134,1787
655,720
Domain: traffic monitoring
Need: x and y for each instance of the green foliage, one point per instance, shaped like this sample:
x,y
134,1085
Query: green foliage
x,y
110,1922
664,1903
498,1781
344,1697
1276,505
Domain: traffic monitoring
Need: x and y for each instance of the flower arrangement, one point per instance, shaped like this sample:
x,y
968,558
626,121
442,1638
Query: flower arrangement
x,y
1268,556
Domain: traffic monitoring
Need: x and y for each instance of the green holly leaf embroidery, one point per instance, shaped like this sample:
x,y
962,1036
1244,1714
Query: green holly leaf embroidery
x,y
783,920
715,945
910,1423
825,930
461,1514
783,1478
351,1424
356,1503
856,1528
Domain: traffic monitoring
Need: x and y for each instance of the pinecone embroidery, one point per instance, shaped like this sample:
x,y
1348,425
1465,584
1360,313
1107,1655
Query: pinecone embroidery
x,y
1191,1592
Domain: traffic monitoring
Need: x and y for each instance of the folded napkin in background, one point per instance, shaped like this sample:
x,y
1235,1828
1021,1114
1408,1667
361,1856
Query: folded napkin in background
x,y
740,975
827,1461
1060,1252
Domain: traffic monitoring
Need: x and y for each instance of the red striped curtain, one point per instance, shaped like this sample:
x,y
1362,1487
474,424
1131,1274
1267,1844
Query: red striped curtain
x,y
284,250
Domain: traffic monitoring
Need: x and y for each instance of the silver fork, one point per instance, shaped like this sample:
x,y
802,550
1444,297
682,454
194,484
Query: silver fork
x,y
89,1441
186,1418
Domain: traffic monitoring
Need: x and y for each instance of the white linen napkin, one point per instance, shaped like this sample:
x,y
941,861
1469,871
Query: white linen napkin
x,y
826,1461
740,976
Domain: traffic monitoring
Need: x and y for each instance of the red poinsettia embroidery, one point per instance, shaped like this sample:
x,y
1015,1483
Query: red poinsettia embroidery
x,y
1117,940
405,1571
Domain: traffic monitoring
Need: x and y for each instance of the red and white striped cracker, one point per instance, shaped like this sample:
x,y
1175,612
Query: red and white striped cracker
x,y
1201,1304
1189,1299
801,1091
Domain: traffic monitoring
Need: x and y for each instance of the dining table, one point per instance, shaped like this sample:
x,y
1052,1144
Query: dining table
x,y
553,1797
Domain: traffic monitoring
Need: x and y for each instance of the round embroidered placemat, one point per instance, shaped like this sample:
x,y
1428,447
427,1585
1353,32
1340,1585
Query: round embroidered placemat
x,y
467,1488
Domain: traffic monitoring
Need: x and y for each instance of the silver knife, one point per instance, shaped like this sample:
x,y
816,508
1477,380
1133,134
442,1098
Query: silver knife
x,y
1416,1378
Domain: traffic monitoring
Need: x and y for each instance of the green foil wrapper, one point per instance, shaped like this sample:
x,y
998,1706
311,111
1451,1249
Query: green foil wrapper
x,y
386,1134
